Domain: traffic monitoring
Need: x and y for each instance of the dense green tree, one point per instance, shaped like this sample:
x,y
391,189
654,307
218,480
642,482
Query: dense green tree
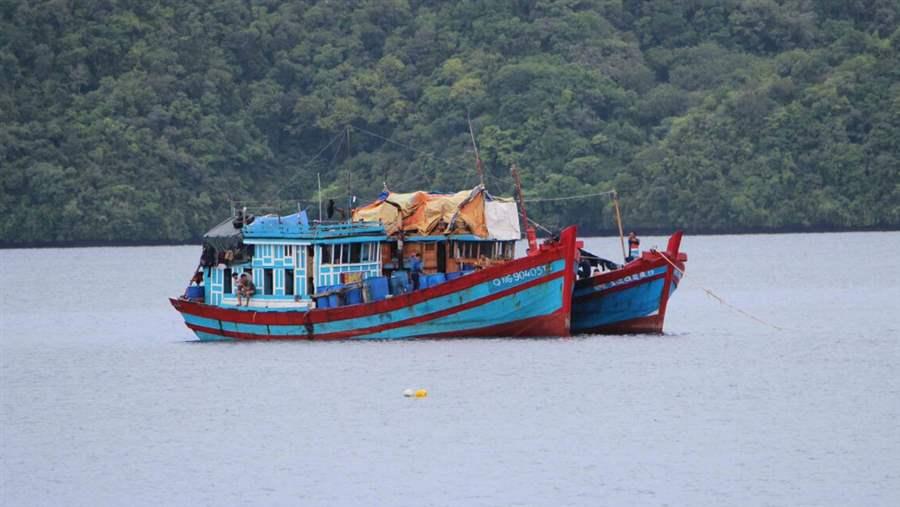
x,y
125,120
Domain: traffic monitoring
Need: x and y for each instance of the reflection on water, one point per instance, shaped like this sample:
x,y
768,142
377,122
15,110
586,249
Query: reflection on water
x,y
103,402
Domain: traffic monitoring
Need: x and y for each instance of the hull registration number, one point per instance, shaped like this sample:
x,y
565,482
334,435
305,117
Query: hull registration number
x,y
512,279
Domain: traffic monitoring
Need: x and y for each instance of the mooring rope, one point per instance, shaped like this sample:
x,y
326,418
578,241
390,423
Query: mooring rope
x,y
747,314
718,298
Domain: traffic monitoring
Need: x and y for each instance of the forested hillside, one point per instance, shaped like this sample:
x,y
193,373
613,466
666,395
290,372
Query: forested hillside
x,y
141,120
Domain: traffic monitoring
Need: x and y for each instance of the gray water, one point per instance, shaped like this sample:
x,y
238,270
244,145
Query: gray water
x,y
104,400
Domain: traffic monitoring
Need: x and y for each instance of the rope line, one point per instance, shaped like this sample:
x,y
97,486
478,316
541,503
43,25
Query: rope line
x,y
722,301
718,298
666,258
570,197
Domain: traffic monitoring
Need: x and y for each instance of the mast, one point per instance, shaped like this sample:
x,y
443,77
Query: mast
x,y
530,233
615,197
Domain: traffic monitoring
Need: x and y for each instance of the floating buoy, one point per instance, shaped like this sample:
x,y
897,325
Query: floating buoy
x,y
408,393
418,393
421,393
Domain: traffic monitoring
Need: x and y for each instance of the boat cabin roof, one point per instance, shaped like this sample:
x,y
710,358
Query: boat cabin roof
x,y
298,227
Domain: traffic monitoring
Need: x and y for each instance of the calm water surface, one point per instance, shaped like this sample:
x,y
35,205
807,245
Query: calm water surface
x,y
105,401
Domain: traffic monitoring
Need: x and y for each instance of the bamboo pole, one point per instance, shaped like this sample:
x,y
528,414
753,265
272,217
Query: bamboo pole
x,y
615,197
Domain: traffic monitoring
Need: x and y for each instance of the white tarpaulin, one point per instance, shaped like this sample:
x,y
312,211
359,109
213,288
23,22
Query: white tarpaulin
x,y
502,220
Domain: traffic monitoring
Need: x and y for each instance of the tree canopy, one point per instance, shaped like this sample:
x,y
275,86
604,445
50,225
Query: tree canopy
x,y
128,120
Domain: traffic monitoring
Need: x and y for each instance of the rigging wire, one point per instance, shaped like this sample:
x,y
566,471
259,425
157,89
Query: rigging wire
x,y
313,159
569,197
497,180
402,145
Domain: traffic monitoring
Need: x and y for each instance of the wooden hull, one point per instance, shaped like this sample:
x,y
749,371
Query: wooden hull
x,y
531,296
631,300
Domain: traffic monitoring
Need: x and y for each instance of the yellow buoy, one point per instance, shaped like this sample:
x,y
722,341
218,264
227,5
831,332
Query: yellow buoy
x,y
421,393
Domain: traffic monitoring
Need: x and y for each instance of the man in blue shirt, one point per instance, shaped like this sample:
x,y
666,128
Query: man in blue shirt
x,y
415,269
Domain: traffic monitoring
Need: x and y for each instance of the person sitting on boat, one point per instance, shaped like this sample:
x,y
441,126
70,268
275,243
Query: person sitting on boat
x,y
584,268
246,289
415,269
634,247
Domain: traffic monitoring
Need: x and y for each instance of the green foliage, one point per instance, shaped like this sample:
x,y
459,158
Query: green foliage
x,y
142,121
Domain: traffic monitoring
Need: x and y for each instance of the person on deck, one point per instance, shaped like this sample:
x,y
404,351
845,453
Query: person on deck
x,y
246,289
584,268
235,283
634,247
415,269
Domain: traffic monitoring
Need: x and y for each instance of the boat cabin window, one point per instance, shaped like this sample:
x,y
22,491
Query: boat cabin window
x,y
288,282
268,282
226,283
350,253
494,250
474,249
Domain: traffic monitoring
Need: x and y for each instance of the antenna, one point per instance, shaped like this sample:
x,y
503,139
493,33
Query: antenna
x,y
319,179
349,192
478,166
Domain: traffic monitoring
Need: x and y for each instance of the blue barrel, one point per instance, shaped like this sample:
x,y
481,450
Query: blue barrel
x,y
435,279
323,302
376,288
335,299
454,275
194,292
400,282
353,296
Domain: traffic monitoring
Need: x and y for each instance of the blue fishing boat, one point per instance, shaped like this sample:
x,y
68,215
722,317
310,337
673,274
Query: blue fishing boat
x,y
629,299
406,266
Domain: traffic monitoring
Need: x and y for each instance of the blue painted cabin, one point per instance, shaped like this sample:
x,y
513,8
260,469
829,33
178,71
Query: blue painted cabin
x,y
291,259
293,262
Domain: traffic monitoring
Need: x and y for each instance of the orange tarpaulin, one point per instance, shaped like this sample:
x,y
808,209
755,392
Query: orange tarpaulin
x,y
422,213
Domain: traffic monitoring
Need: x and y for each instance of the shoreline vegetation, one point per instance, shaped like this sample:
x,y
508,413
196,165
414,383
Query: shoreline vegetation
x,y
135,122
600,233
